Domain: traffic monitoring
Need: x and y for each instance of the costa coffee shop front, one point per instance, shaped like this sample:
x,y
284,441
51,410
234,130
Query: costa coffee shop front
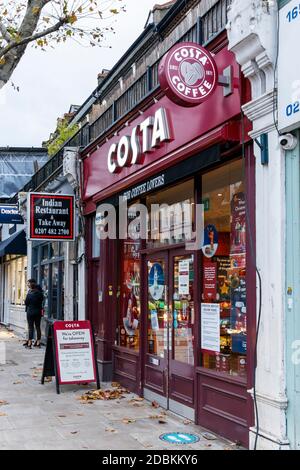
x,y
172,324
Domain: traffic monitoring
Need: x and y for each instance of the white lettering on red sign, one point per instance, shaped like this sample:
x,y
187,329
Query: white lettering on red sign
x,y
145,137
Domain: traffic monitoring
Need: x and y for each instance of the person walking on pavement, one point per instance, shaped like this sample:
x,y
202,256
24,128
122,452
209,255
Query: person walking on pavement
x,y
34,306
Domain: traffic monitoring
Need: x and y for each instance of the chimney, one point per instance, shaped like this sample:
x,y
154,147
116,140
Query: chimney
x,y
159,11
102,75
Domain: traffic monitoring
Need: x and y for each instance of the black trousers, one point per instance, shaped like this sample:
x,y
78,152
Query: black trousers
x,y
34,321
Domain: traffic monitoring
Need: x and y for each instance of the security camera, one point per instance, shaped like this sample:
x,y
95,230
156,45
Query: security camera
x,y
288,141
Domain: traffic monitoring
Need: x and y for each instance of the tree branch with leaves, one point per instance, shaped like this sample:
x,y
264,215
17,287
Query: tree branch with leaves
x,y
46,23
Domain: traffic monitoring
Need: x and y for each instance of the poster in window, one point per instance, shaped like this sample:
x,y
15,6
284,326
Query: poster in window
x,y
156,281
238,224
238,300
210,281
210,327
154,320
184,277
130,319
211,241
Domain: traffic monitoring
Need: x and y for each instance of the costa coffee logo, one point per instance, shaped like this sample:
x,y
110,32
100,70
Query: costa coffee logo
x,y
188,74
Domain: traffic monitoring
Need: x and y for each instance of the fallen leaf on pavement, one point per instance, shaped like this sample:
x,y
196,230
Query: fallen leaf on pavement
x,y
3,414
187,421
156,417
3,402
115,385
137,399
209,436
48,379
110,430
108,394
74,432
17,382
128,420
61,416
162,421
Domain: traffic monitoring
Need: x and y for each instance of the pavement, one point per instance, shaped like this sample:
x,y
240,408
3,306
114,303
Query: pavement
x,y
34,417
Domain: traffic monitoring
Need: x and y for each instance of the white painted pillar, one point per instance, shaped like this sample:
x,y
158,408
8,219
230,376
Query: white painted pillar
x,y
252,32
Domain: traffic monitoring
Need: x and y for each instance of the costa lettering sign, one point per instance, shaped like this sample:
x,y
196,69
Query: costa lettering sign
x,y
145,137
188,74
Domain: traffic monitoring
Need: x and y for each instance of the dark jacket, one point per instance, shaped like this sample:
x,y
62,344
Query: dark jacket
x,y
34,302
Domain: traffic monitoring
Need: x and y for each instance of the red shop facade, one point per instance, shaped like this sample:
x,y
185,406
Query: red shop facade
x,y
175,324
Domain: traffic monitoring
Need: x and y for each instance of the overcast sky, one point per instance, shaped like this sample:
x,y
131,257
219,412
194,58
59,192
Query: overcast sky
x,y
51,81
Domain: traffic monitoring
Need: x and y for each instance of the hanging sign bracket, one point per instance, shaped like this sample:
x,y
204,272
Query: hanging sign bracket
x,y
226,81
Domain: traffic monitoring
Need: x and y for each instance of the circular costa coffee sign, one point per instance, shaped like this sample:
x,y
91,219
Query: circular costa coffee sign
x,y
188,74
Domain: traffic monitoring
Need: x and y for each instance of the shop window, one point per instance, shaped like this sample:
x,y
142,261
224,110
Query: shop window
x,y
50,275
17,270
157,302
45,286
45,252
35,255
55,248
171,215
129,313
57,291
223,308
183,309
55,287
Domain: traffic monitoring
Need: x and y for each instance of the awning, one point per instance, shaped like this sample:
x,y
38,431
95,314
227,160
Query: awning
x,y
14,245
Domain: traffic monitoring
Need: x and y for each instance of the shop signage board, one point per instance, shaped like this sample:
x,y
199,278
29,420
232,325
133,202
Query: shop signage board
x,y
210,327
70,353
9,214
51,217
188,74
144,188
170,135
144,138
288,67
